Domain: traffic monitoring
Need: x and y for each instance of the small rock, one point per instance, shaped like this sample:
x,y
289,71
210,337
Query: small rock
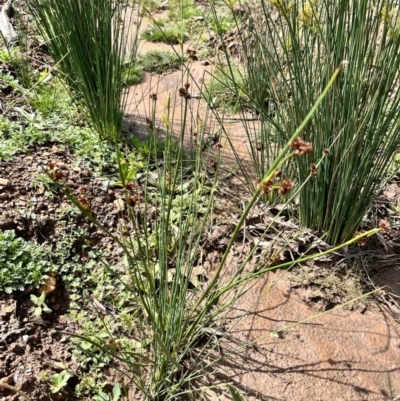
x,y
199,18
4,196
29,289
55,307
16,349
57,151
119,205
25,338
59,366
49,286
9,309
4,182
205,62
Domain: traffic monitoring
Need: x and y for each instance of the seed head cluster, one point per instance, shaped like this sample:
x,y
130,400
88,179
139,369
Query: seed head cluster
x,y
183,92
301,147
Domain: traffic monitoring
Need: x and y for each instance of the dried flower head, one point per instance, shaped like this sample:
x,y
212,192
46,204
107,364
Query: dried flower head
x,y
183,92
385,226
301,147
285,187
267,186
153,96
213,164
130,185
84,202
326,152
134,199
313,169
52,164
362,241
278,175
187,85
149,123
57,175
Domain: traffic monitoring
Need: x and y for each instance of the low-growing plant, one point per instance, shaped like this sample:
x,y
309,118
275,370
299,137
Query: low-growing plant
x,y
172,35
183,10
22,263
40,304
59,380
132,74
160,61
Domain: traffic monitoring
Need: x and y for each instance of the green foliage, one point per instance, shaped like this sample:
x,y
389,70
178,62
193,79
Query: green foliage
x,y
132,74
171,35
183,10
160,61
59,380
115,396
40,304
22,263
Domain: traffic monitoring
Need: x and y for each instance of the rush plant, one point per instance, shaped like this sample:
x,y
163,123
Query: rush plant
x,y
91,41
290,49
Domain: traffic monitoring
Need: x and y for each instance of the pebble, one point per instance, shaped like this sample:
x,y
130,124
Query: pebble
x,y
4,182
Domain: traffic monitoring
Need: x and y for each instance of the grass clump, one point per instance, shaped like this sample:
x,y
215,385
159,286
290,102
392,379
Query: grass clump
x,y
159,61
171,35
183,10
132,74
22,263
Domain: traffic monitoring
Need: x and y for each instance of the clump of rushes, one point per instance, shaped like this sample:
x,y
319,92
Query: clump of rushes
x,y
90,46
171,318
292,51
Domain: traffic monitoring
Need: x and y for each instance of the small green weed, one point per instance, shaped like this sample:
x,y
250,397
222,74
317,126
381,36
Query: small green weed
x,y
115,396
58,381
22,263
160,61
40,304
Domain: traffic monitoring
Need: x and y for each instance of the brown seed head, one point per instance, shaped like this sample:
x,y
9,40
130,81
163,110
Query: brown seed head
x,y
362,241
278,175
385,226
267,186
285,187
52,164
313,169
301,147
153,96
326,151
134,199
57,175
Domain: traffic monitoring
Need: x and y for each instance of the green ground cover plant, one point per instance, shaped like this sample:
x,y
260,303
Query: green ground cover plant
x,y
172,35
22,263
159,61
